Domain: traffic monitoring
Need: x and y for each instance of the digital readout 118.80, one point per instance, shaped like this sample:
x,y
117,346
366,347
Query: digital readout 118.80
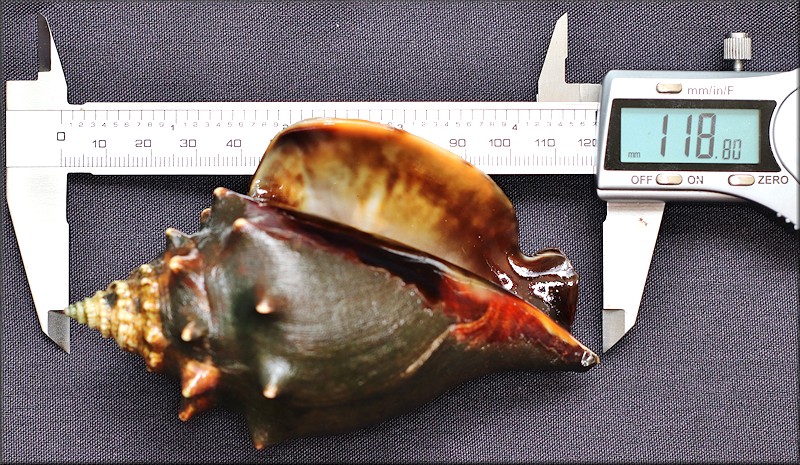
x,y
689,135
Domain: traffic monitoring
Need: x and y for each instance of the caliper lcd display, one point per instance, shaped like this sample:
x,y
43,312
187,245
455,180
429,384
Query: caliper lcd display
x,y
690,135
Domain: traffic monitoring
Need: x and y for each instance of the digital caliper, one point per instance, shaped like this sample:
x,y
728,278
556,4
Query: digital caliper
x,y
687,136
657,136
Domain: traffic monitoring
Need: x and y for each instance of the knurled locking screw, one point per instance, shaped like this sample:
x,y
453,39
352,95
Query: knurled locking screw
x,y
739,48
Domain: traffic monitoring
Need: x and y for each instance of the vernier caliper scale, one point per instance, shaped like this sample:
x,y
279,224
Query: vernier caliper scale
x,y
47,138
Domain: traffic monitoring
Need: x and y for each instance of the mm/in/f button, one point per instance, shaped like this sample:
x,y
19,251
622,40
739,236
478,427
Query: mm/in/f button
x,y
668,88
741,180
669,179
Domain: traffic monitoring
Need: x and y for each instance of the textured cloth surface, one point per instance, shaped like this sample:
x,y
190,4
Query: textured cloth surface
x,y
709,373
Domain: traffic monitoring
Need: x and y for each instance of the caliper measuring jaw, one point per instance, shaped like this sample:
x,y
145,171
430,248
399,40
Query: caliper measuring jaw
x,y
630,229
553,85
37,196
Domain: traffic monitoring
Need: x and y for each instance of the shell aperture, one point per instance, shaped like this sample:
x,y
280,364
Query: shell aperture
x,y
309,325
391,183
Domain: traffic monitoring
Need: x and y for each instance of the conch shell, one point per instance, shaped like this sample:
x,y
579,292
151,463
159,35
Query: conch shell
x,y
311,323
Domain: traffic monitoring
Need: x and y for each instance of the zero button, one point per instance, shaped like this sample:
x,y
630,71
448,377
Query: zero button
x,y
741,180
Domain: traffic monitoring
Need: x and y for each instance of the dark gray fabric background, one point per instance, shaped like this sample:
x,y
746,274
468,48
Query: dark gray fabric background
x,y
709,373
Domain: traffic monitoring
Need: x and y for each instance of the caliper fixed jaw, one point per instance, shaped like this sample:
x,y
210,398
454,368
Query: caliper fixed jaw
x,y
36,200
36,197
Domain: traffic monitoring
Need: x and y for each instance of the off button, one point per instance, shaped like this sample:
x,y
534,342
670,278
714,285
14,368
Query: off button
x,y
741,180
669,179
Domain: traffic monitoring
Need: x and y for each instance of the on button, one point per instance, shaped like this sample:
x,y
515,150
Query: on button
x,y
669,179
741,180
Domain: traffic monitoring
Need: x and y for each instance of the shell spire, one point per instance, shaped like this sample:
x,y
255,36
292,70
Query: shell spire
x,y
130,312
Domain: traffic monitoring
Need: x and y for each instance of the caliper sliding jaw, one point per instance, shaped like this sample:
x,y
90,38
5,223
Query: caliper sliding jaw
x,y
630,229
630,232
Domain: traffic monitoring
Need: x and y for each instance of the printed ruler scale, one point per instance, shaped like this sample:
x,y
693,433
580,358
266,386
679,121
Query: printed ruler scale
x,y
229,138
47,138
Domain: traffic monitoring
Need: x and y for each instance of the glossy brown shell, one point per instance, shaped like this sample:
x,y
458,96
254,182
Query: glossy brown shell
x,y
388,182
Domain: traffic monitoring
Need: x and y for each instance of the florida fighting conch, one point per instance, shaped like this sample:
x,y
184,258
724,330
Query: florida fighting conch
x,y
366,272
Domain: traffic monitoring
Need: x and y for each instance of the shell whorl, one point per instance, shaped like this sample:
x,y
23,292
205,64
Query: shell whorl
x,y
130,312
